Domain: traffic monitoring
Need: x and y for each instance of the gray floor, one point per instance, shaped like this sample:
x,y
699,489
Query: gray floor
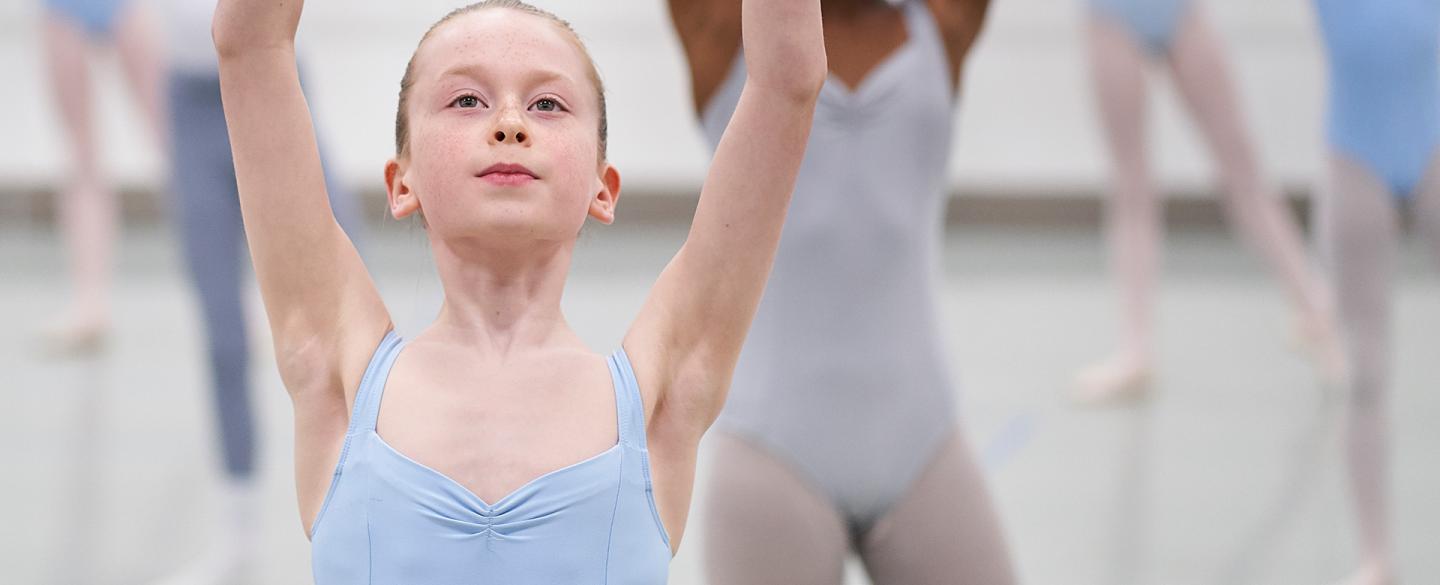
x,y
1230,475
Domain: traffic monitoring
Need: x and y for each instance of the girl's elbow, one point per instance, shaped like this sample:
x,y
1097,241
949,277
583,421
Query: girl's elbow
x,y
798,80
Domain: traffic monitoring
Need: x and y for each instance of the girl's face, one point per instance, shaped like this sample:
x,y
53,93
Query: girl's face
x,y
503,134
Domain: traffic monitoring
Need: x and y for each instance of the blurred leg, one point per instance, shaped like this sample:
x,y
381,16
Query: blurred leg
x,y
1360,227
1368,435
1118,63
765,525
343,202
944,532
140,56
210,227
88,209
212,239
1253,205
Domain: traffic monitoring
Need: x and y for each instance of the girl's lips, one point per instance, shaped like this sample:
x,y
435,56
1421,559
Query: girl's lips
x,y
508,179
508,168
508,174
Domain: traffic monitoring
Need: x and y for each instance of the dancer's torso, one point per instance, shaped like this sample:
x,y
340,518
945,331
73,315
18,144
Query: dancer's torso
x,y
844,369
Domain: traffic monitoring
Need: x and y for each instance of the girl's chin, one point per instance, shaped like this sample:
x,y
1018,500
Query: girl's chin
x,y
501,230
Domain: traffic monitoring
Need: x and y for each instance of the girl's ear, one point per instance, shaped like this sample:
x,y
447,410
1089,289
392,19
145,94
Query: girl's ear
x,y
602,205
403,201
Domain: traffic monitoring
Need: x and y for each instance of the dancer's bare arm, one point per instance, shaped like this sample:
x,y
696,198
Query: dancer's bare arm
x,y
325,313
692,326
960,24
687,337
709,32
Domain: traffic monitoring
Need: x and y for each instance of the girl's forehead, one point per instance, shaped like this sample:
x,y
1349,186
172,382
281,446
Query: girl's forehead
x,y
500,37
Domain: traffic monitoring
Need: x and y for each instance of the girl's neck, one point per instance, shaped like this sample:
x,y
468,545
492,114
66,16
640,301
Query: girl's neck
x,y
503,300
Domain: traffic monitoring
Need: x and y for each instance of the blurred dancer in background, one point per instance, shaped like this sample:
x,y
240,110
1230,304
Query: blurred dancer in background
x,y
207,219
88,206
840,432
1125,37
1383,133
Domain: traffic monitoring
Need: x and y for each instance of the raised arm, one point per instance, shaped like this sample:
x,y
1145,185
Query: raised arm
x,y
709,32
960,24
688,335
324,312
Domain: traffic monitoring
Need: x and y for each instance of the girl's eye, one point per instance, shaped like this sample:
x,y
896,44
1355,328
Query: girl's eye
x,y
466,101
547,105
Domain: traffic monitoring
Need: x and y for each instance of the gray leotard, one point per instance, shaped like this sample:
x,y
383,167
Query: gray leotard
x,y
844,375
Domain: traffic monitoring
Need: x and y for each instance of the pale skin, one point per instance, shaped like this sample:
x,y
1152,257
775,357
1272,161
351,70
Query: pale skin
x,y
1202,77
1360,224
89,210
500,368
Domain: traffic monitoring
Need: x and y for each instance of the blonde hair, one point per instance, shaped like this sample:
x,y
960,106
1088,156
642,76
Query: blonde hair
x,y
402,118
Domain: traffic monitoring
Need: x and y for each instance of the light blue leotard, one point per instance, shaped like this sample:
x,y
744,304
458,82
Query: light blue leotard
x,y
1152,21
96,16
389,520
1384,85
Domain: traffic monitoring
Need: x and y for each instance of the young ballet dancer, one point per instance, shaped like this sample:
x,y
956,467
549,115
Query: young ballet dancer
x,y
206,216
495,443
841,434
1384,144
1125,37
88,204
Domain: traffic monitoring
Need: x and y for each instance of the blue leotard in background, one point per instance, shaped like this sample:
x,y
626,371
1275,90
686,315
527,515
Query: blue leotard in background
x,y
1384,62
97,17
1153,22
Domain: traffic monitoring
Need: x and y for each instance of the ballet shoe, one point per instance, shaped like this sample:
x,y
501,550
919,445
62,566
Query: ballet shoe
x,y
1370,574
1115,381
73,337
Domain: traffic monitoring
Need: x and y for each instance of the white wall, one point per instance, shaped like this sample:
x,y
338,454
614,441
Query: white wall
x,y
1027,122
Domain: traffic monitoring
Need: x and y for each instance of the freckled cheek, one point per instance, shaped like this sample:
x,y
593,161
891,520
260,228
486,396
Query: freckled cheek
x,y
574,163
442,157
574,150
448,142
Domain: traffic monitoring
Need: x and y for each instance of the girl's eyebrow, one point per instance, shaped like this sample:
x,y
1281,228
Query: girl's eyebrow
x,y
471,70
